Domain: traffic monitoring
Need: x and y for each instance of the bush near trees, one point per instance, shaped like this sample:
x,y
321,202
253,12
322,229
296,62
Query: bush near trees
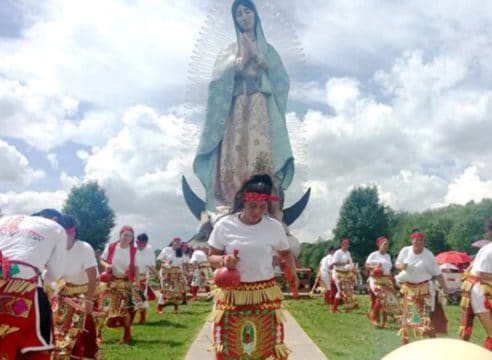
x,y
363,219
89,204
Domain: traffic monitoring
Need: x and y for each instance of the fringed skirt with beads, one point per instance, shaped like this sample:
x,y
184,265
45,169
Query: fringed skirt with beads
x,y
75,330
467,314
248,322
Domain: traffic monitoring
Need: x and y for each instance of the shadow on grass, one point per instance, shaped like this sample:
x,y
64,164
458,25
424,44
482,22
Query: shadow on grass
x,y
164,322
170,343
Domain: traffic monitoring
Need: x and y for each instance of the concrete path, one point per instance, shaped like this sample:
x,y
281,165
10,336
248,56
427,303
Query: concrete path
x,y
295,338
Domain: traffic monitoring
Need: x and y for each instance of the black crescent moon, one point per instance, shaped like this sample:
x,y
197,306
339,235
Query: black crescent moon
x,y
292,213
197,205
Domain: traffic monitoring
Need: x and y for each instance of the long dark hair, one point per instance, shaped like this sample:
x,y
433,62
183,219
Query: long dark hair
x,y
261,184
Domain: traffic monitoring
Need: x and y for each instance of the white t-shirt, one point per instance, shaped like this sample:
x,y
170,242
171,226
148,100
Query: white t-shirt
x,y
341,256
35,240
483,260
421,267
198,256
121,259
383,259
168,255
254,242
146,259
79,258
325,263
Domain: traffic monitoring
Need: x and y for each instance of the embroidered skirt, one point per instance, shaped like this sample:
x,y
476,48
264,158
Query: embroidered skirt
x,y
248,322
75,330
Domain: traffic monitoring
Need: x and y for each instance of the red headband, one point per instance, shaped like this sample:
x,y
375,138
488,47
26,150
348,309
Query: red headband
x,y
254,196
126,228
417,235
489,233
344,241
380,240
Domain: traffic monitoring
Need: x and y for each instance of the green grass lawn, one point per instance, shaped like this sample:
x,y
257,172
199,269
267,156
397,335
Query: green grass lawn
x,y
340,336
165,336
350,336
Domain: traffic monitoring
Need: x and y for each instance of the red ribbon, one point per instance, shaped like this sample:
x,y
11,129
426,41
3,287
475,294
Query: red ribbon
x,y
254,196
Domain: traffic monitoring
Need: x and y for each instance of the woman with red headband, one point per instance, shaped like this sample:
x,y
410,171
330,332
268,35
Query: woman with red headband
x,y
172,275
122,278
75,326
421,308
477,294
381,289
248,319
345,278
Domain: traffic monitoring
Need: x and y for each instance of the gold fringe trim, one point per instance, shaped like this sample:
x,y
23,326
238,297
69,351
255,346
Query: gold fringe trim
x,y
281,350
409,289
345,275
246,296
72,290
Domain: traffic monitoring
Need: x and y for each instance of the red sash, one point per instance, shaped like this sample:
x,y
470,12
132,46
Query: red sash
x,y
133,252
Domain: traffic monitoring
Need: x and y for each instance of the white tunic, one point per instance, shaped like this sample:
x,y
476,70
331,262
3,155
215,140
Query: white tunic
x,y
384,259
146,259
121,259
421,267
198,256
254,242
35,240
79,258
341,256
168,255
324,267
483,261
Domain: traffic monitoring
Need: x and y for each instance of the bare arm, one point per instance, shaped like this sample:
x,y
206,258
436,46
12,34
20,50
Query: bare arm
x,y
289,259
442,283
401,266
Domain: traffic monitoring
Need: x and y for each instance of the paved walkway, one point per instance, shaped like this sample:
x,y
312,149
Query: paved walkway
x,y
295,338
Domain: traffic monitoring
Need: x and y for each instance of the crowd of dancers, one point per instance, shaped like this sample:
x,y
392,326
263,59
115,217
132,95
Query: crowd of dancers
x,y
56,299
418,311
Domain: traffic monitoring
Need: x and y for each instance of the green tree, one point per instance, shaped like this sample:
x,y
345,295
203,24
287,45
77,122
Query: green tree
x,y
89,204
362,219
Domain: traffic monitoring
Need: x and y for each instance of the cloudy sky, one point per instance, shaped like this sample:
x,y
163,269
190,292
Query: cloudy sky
x,y
396,94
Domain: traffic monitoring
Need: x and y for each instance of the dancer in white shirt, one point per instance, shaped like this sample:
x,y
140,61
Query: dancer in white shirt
x,y
477,295
345,278
325,271
29,244
75,326
172,275
382,291
248,319
146,262
421,309
119,259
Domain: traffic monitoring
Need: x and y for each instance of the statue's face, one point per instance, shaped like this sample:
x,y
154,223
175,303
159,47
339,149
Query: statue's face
x,y
245,18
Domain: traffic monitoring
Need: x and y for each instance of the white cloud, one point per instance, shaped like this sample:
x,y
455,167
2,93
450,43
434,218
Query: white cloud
x,y
15,170
469,186
28,202
400,99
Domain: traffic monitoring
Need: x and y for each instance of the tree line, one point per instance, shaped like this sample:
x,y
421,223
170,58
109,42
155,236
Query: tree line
x,y
362,219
